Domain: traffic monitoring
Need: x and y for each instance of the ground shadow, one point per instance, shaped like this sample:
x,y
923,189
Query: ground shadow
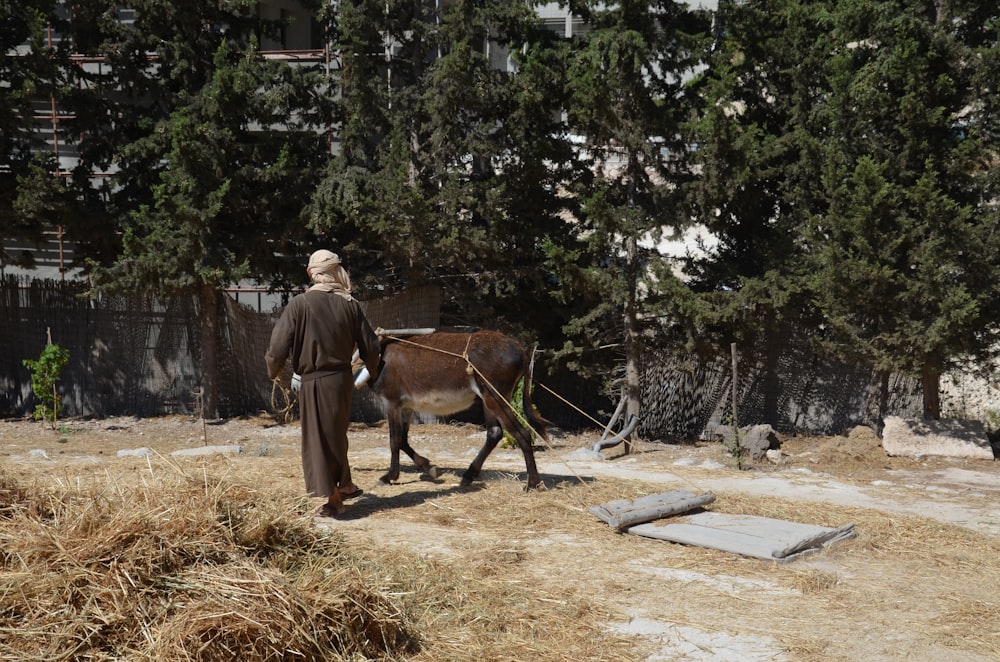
x,y
369,503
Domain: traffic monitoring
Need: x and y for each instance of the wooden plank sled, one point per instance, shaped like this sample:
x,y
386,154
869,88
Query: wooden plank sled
x,y
622,514
748,535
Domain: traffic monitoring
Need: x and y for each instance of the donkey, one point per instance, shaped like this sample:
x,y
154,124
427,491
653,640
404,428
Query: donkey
x,y
443,373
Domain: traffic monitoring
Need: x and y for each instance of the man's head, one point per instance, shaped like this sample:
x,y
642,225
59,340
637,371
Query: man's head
x,y
322,261
325,269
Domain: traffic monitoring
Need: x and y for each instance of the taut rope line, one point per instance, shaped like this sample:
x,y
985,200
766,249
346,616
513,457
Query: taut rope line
x,y
567,402
470,367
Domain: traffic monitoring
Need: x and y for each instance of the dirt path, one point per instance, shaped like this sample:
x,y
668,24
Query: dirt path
x,y
918,583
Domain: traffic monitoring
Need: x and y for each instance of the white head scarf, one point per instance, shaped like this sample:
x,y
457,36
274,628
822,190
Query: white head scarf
x,y
328,275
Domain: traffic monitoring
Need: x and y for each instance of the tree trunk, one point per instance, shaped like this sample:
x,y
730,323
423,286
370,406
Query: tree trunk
x,y
877,400
930,380
633,377
208,304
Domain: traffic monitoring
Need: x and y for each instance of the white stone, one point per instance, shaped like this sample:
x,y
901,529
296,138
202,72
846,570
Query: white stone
x,y
585,454
135,452
948,438
209,450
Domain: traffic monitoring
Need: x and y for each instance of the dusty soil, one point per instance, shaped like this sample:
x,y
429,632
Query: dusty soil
x,y
919,582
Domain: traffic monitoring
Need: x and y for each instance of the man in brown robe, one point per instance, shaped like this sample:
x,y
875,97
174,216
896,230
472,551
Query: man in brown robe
x,y
318,330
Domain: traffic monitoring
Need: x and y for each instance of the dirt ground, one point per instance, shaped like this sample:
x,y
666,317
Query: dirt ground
x,y
919,582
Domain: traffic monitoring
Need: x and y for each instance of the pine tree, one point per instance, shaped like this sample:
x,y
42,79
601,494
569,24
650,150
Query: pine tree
x,y
627,80
758,185
32,72
905,260
216,152
443,174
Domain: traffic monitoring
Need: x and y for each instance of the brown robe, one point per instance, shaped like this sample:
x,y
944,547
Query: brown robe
x,y
318,331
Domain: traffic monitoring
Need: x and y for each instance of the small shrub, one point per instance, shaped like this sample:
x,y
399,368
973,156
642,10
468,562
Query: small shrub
x,y
44,375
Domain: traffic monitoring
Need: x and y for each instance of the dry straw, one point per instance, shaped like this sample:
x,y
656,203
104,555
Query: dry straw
x,y
206,572
190,567
163,559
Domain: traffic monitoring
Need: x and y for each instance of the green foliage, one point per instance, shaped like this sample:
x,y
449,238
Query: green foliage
x,y
27,78
734,444
517,404
842,154
447,165
846,151
627,101
759,165
905,260
992,421
45,371
225,175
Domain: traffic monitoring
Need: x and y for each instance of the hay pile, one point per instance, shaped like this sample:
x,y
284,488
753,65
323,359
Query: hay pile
x,y
192,571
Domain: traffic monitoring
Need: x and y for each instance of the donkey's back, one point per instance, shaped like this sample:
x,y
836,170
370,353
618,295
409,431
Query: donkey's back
x,y
444,373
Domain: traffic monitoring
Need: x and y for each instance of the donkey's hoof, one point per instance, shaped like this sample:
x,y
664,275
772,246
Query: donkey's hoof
x,y
432,472
386,479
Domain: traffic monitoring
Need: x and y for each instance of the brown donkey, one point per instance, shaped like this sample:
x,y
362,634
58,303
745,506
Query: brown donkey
x,y
443,373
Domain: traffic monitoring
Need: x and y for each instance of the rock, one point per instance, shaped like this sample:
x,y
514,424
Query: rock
x,y
755,440
775,456
135,452
948,438
209,450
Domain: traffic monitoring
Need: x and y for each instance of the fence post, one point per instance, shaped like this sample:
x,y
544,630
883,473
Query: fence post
x,y
736,423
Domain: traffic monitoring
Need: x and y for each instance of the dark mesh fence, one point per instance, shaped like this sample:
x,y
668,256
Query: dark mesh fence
x,y
781,381
139,355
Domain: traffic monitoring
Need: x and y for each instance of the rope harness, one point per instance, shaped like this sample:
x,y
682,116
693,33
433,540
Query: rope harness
x,y
286,412
470,368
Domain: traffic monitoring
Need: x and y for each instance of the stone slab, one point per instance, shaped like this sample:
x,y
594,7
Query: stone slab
x,y
948,438
759,537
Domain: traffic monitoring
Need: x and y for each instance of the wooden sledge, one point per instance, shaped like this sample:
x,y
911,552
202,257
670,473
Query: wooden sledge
x,y
748,535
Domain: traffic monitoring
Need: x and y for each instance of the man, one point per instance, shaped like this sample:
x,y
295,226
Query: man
x,y
318,330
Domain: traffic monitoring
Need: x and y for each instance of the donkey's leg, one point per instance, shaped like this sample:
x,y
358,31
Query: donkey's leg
x,y
510,422
399,423
494,433
420,461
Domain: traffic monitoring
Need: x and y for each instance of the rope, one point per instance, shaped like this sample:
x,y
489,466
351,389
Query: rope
x,y
580,500
471,368
285,413
567,402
